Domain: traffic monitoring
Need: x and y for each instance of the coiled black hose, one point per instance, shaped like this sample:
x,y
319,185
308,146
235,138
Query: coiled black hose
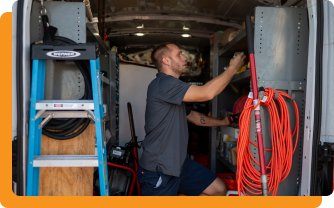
x,y
66,127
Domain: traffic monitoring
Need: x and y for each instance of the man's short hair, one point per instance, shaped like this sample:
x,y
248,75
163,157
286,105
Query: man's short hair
x,y
158,53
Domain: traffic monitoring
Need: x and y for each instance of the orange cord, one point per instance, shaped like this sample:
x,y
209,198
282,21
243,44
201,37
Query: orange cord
x,y
248,178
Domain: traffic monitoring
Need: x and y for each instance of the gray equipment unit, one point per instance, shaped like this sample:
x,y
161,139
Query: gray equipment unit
x,y
281,48
110,71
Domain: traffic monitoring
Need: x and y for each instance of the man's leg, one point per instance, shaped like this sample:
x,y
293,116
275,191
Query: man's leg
x,y
216,188
157,184
198,180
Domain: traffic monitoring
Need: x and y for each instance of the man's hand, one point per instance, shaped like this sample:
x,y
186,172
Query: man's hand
x,y
225,121
215,86
237,62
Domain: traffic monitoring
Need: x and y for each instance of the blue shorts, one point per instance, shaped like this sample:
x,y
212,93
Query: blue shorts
x,y
194,179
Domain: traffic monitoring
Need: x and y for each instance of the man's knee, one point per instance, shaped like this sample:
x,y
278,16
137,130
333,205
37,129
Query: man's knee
x,y
221,188
217,188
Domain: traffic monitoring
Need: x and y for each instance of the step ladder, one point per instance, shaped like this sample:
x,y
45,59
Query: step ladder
x,y
49,109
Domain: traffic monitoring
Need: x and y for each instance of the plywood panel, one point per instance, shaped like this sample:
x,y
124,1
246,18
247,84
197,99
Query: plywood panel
x,y
68,181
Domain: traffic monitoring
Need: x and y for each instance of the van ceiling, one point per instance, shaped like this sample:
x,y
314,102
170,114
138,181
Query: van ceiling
x,y
164,20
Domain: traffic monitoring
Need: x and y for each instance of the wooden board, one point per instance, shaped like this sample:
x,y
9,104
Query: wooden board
x,y
68,181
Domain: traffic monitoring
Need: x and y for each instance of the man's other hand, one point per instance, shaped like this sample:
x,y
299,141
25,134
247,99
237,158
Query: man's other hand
x,y
237,62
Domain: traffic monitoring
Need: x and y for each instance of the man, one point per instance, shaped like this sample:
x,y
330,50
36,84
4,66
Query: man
x,y
164,166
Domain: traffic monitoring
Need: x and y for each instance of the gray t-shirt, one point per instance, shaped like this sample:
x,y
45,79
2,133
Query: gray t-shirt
x,y
165,143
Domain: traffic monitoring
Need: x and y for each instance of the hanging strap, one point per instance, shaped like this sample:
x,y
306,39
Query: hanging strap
x,y
49,31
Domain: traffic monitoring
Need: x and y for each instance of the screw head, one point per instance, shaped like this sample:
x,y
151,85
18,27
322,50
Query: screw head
x,y
32,119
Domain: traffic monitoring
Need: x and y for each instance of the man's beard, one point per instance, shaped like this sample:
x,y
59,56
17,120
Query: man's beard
x,y
176,68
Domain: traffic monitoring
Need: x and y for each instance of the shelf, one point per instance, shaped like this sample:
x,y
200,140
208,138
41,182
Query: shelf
x,y
233,132
241,77
226,163
239,43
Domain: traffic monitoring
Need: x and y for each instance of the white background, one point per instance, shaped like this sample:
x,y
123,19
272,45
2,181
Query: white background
x,y
6,6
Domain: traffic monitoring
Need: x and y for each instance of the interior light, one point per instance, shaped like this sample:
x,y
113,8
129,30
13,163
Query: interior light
x,y
185,28
186,35
140,26
140,34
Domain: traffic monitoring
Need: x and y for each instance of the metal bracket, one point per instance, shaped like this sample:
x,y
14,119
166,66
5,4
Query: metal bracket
x,y
90,115
326,152
45,121
39,114
293,96
276,95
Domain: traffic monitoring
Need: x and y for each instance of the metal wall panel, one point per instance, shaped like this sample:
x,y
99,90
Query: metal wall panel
x,y
281,43
134,81
63,78
281,48
63,81
68,17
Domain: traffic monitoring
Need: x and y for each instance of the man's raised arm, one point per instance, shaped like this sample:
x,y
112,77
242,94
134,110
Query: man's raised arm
x,y
215,86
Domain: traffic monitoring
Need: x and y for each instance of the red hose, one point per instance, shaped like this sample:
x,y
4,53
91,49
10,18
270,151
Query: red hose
x,y
248,178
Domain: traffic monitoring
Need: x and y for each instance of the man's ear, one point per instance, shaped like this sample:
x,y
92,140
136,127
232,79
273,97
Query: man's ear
x,y
166,61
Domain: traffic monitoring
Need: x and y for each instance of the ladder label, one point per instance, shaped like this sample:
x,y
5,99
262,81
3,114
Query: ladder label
x,y
65,106
63,54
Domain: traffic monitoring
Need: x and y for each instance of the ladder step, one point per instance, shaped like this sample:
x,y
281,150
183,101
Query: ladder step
x,y
64,105
65,114
65,161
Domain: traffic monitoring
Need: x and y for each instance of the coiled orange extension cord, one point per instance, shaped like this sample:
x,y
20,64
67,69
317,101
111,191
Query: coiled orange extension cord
x,y
248,178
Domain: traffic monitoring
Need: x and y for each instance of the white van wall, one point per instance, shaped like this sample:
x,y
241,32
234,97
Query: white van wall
x,y
133,83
